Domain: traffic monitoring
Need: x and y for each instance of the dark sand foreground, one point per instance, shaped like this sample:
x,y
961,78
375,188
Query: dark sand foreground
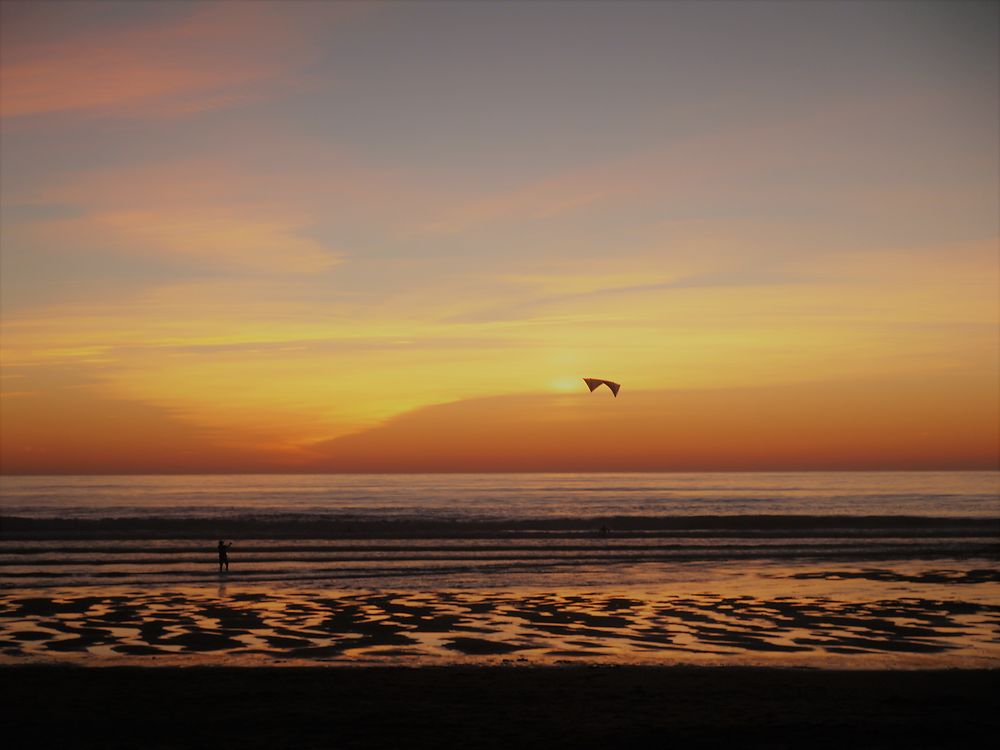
x,y
497,707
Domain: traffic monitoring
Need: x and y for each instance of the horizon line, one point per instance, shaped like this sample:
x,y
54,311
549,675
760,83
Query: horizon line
x,y
994,469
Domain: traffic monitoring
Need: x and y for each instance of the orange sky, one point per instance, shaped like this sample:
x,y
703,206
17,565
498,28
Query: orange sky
x,y
898,423
371,237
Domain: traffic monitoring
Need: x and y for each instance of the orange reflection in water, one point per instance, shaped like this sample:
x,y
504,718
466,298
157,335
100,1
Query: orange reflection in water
x,y
832,615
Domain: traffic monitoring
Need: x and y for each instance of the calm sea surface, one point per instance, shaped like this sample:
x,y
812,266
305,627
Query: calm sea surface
x,y
505,496
356,528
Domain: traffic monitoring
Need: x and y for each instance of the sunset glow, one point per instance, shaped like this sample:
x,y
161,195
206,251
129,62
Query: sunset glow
x,y
245,237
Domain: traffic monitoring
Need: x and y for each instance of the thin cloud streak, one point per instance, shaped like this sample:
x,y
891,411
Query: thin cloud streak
x,y
203,58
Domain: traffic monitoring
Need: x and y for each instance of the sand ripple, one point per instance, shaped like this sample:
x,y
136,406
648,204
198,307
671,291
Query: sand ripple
x,y
448,626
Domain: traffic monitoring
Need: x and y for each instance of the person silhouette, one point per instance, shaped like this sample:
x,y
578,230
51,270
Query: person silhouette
x,y
224,555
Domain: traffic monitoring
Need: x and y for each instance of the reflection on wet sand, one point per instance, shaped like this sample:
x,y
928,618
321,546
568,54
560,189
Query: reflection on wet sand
x,y
213,625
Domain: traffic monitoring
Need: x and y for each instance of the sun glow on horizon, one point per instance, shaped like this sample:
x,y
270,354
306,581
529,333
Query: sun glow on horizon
x,y
566,384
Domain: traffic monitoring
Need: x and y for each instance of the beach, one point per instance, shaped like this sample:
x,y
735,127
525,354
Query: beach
x,y
499,707
555,611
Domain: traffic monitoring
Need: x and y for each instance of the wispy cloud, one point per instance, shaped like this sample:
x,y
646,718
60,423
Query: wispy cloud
x,y
204,57
695,429
211,239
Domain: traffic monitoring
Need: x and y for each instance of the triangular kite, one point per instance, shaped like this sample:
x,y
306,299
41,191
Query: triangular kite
x,y
593,383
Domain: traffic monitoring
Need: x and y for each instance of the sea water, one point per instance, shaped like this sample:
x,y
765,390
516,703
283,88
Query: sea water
x,y
843,569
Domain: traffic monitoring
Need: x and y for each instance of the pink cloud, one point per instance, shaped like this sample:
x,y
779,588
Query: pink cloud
x,y
212,56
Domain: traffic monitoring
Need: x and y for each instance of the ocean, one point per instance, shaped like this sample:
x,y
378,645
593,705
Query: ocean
x,y
736,567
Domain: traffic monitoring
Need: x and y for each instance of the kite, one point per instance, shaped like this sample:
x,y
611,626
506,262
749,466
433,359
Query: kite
x,y
593,383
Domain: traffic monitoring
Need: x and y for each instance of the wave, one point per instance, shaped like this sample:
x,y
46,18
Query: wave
x,y
32,563
365,572
307,526
102,556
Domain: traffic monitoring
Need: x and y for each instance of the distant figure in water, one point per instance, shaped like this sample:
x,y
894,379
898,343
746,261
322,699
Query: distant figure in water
x,y
224,555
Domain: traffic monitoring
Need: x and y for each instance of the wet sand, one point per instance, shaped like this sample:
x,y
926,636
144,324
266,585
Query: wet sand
x,y
955,623
494,707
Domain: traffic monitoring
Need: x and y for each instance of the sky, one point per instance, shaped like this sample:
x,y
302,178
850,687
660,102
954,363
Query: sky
x,y
345,236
